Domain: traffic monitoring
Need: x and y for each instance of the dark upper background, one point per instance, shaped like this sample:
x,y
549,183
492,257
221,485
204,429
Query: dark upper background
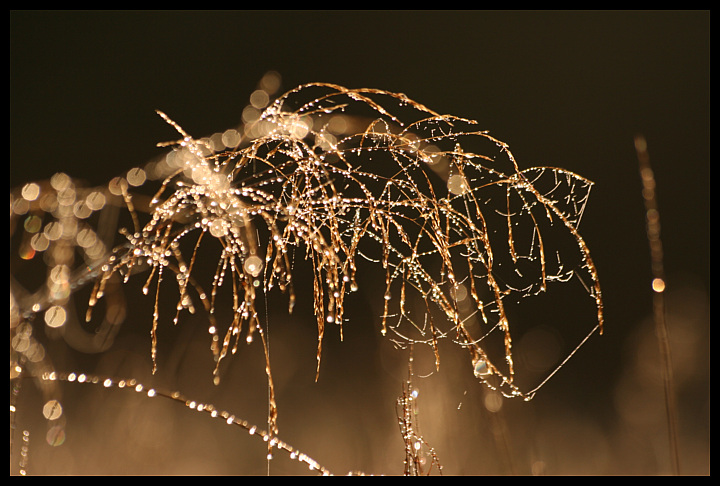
x,y
567,89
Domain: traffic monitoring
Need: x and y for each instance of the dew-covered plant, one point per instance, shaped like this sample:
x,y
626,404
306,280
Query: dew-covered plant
x,y
344,179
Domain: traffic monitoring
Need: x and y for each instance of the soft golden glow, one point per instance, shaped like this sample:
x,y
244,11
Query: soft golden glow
x,y
136,177
30,191
52,410
55,316
658,285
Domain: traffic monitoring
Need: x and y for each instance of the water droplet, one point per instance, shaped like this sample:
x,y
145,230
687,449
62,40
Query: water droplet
x,y
55,435
658,285
480,368
457,184
253,265
52,410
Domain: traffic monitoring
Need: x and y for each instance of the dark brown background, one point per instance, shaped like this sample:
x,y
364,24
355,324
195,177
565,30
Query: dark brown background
x,y
567,89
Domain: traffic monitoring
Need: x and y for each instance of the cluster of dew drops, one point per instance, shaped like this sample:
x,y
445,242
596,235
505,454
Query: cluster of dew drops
x,y
300,168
